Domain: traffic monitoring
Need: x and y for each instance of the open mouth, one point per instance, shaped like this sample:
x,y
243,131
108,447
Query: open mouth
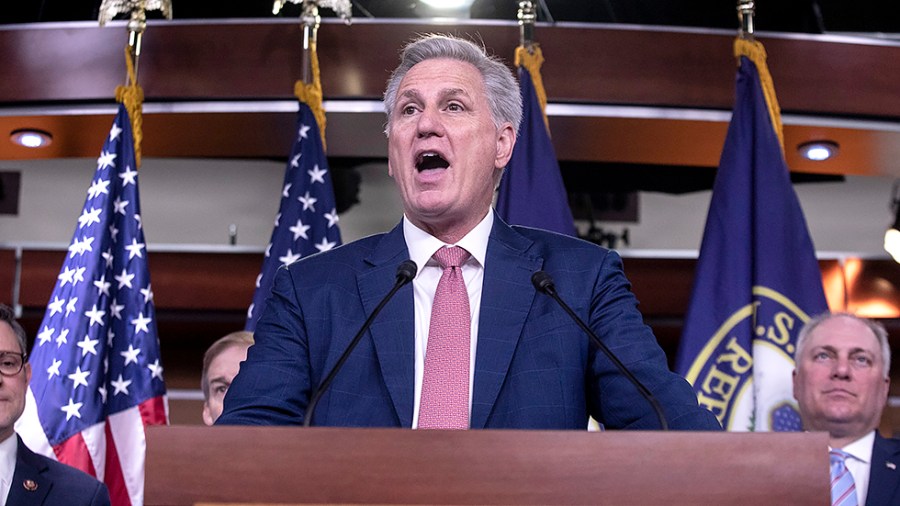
x,y
430,160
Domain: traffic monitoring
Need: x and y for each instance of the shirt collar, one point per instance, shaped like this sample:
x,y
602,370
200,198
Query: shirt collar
x,y
422,245
861,449
8,449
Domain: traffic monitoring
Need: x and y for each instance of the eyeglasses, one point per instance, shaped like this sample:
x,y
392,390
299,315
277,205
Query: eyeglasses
x,y
11,363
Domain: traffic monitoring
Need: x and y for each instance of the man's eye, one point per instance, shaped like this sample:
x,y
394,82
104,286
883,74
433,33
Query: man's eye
x,y
454,107
406,111
864,361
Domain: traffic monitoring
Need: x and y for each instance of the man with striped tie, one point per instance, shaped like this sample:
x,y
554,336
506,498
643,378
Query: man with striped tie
x,y
841,384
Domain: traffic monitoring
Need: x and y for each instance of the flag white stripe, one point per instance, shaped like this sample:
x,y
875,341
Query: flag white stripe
x,y
95,439
127,430
28,426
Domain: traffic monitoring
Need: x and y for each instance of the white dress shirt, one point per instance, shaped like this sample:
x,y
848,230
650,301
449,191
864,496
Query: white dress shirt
x,y
422,246
8,449
860,464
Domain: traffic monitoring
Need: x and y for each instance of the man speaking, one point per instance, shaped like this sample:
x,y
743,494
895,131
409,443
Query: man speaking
x,y
470,342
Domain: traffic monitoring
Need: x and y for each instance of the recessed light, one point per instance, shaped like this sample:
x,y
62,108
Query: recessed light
x,y
448,5
30,138
818,151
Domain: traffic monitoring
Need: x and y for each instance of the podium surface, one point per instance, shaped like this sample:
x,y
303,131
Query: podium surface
x,y
292,465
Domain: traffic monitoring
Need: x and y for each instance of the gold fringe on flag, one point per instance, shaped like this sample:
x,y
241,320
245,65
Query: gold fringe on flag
x,y
532,60
311,93
133,97
755,51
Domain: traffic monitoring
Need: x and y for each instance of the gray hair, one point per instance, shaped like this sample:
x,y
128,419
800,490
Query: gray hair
x,y
500,84
7,315
877,329
239,338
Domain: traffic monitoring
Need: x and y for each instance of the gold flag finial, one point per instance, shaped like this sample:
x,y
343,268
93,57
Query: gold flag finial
x,y
109,9
342,8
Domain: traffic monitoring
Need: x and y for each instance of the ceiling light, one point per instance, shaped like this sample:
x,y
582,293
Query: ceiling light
x,y
818,151
31,138
449,5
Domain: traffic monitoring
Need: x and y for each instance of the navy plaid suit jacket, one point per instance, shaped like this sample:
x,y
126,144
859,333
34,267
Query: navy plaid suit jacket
x,y
534,368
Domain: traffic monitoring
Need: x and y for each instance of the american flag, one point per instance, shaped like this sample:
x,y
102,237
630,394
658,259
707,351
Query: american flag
x,y
307,219
96,374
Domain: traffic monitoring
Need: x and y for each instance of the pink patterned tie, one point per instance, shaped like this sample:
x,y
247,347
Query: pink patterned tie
x,y
445,383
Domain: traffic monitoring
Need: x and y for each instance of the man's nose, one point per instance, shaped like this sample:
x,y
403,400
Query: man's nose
x,y
841,368
430,123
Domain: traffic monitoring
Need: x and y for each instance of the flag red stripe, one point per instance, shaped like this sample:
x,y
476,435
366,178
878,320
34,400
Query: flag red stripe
x,y
153,411
115,481
74,452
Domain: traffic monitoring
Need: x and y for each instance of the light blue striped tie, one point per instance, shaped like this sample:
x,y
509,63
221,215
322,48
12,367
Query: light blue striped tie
x,y
843,488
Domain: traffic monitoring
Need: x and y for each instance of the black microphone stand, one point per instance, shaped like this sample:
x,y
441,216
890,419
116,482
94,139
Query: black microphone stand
x,y
544,283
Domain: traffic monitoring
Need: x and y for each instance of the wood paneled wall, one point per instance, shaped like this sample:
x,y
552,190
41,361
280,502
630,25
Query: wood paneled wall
x,y
202,296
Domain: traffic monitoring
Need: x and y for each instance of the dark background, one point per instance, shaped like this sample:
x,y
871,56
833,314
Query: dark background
x,y
801,16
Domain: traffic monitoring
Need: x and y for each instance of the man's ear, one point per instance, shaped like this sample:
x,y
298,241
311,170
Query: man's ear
x,y
506,139
794,383
207,416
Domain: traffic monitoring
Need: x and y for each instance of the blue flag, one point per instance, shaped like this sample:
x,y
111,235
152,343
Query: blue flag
x,y
532,191
307,219
96,373
757,278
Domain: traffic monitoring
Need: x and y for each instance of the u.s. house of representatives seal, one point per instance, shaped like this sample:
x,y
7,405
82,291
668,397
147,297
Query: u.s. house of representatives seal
x,y
743,374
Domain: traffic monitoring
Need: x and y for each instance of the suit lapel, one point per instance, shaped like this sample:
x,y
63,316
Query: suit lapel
x,y
393,331
506,299
29,484
884,478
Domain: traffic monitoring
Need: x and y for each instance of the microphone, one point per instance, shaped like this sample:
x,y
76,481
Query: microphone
x,y
544,283
406,271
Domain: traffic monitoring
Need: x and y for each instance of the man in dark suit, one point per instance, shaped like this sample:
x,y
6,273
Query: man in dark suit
x,y
517,360
27,478
841,384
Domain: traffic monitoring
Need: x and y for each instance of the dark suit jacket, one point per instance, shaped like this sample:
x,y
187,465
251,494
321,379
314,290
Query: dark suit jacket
x,y
884,477
39,480
534,368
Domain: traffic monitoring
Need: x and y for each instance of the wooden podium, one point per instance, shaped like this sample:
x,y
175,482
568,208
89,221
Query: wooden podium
x,y
187,465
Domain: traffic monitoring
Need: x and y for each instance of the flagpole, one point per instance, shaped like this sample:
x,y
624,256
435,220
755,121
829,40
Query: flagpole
x,y
746,9
527,16
137,9
136,26
310,20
